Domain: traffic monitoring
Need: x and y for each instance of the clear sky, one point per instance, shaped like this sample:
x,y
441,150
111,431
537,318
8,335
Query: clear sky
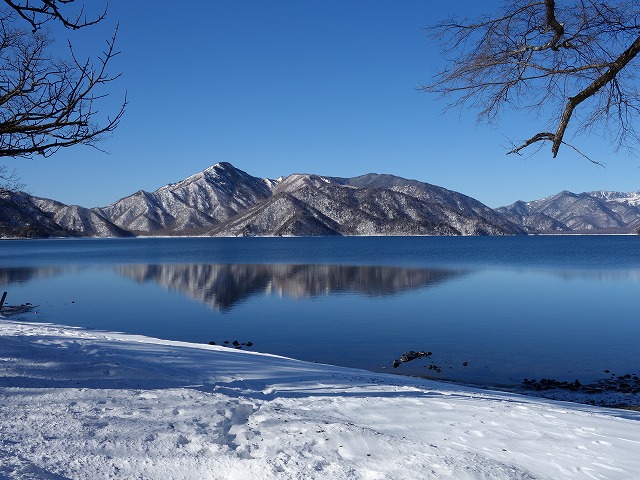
x,y
300,86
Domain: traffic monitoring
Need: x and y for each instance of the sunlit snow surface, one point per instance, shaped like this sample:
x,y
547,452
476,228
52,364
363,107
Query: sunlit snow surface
x,y
86,404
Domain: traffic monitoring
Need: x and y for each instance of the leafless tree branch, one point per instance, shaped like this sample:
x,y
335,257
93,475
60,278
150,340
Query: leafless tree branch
x,y
9,181
38,12
48,103
548,56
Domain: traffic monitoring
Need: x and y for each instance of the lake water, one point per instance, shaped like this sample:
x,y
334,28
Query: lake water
x,y
492,310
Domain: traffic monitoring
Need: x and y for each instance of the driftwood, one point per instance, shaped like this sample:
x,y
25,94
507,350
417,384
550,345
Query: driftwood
x,y
13,309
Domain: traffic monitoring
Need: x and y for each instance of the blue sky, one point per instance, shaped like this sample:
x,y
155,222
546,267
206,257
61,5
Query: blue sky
x,y
300,86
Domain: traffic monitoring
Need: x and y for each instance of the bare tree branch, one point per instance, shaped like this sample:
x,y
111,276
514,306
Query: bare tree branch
x,y
9,181
608,76
48,103
553,24
547,56
538,137
38,12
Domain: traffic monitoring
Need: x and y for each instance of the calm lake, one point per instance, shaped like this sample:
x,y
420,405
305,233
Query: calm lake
x,y
493,310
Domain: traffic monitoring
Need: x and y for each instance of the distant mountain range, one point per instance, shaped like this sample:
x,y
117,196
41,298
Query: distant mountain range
x,y
225,201
589,212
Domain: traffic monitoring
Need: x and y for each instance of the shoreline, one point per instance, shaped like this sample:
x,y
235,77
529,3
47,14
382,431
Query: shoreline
x,y
133,237
606,399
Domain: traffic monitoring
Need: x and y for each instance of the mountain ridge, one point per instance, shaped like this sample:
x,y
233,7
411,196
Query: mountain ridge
x,y
599,211
223,200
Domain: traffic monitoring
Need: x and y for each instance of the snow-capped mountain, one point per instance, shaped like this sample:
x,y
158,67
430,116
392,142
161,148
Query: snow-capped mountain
x,y
202,200
24,216
602,211
225,201
79,221
21,218
373,204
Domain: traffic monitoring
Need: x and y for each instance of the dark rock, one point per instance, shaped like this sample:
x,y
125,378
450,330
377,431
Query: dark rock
x,y
626,384
411,355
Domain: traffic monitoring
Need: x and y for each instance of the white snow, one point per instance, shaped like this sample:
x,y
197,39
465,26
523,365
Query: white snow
x,y
630,198
86,404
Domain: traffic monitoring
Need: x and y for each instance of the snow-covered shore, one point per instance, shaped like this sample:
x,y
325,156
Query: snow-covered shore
x,y
87,404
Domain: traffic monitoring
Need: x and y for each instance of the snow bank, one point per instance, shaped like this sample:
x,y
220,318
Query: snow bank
x,y
86,404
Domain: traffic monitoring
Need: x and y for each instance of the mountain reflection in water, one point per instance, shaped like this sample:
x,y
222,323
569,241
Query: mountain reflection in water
x,y
224,286
18,275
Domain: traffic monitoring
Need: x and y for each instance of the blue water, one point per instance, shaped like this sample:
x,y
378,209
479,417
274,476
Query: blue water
x,y
509,307
594,252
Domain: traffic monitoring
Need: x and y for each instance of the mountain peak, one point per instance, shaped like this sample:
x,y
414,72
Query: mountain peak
x,y
221,166
224,171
